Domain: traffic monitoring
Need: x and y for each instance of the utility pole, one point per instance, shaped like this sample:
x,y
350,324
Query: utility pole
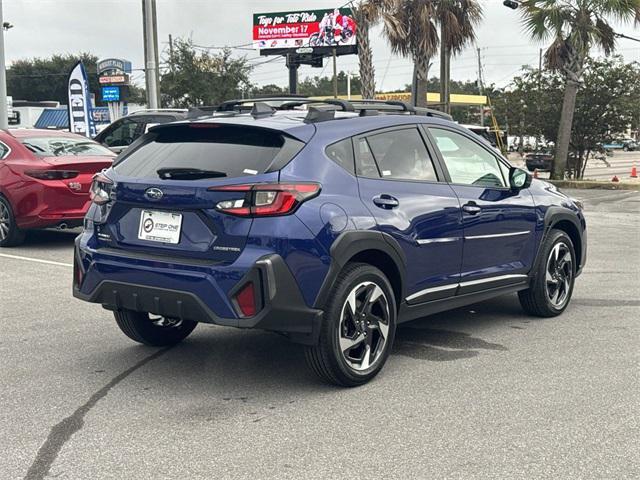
x,y
349,85
293,65
4,112
335,75
151,52
480,88
445,73
171,46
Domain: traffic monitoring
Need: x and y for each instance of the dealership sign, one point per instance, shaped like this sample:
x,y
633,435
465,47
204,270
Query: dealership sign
x,y
114,79
302,29
113,66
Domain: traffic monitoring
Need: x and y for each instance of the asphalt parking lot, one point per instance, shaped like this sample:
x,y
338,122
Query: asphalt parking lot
x,y
480,392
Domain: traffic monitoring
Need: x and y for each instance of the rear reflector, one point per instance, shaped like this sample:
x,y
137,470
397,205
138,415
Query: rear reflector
x,y
266,199
246,300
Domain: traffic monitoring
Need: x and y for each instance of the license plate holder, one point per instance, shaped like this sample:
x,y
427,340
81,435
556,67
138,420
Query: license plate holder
x,y
161,227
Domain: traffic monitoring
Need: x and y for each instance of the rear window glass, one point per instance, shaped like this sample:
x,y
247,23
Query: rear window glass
x,y
64,146
233,151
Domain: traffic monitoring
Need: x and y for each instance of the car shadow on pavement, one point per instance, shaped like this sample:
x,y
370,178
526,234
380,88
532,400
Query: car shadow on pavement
x,y
50,238
445,336
242,364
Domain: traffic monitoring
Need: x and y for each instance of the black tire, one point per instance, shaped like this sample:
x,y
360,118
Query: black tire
x,y
537,299
140,327
326,358
10,234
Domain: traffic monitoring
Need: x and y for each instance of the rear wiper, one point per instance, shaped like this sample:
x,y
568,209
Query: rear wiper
x,y
176,173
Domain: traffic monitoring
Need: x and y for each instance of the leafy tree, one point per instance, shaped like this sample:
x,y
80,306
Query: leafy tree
x,y
606,106
574,27
410,28
192,77
40,79
366,14
270,89
323,86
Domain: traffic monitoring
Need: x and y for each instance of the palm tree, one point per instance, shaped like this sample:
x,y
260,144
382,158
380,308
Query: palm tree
x,y
575,26
366,14
410,28
457,19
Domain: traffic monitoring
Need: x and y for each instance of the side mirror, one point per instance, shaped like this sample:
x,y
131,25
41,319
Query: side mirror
x,y
519,178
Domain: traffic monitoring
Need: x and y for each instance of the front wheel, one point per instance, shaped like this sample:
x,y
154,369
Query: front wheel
x,y
357,329
153,330
552,283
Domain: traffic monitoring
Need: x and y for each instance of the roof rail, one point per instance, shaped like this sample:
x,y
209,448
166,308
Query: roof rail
x,y
161,110
282,102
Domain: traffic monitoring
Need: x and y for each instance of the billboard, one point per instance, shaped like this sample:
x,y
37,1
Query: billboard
x,y
323,30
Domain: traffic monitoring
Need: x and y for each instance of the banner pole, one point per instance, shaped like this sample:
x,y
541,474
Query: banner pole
x,y
4,112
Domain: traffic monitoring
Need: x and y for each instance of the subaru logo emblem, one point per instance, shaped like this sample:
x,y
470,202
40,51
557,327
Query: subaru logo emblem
x,y
153,194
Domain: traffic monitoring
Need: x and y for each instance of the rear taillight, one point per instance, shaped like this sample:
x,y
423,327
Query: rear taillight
x,y
52,174
100,192
266,199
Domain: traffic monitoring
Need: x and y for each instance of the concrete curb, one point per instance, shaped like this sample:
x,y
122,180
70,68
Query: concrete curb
x,y
592,184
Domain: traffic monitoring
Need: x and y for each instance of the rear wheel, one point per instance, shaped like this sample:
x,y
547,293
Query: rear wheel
x,y
357,329
552,284
153,330
10,234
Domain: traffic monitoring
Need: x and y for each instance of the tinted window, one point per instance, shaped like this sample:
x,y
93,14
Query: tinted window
x,y
342,154
4,150
401,154
234,151
122,133
467,162
64,146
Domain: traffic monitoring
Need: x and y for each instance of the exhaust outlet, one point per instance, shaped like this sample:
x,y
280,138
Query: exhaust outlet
x,y
63,226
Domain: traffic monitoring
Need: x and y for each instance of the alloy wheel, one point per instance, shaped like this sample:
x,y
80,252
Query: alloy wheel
x,y
165,322
5,221
364,326
559,275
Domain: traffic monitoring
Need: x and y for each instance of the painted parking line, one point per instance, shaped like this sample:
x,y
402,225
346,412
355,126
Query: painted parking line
x,y
36,260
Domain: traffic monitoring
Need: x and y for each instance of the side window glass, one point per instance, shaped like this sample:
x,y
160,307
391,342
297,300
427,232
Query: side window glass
x,y
124,134
467,162
365,164
342,153
401,154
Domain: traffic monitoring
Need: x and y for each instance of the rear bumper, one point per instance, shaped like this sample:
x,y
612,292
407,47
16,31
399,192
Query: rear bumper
x,y
195,295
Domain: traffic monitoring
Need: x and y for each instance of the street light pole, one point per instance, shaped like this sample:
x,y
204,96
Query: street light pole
x,y
4,113
150,52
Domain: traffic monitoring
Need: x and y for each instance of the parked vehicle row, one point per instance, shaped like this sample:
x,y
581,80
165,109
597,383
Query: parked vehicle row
x,y
45,176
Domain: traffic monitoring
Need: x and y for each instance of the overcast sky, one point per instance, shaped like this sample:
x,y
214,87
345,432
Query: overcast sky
x,y
113,28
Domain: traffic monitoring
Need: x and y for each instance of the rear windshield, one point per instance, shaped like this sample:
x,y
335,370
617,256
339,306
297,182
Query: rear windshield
x,y
231,151
64,146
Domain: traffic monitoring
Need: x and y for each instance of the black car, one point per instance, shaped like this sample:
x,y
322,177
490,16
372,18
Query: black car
x,y
538,161
122,133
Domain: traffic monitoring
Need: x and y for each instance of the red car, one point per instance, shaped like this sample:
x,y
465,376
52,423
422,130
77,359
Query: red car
x,y
45,177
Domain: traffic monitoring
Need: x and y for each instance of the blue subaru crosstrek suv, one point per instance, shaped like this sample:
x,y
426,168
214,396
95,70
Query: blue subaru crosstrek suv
x,y
328,222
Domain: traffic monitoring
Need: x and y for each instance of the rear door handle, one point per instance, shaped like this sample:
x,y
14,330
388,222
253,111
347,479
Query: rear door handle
x,y
386,201
471,208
